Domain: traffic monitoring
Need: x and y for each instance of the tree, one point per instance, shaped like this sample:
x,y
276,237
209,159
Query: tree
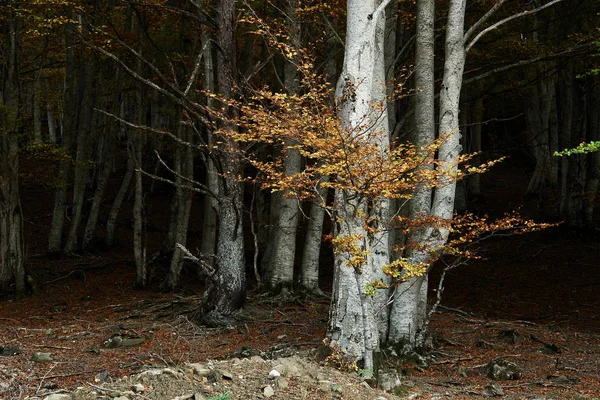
x,y
12,257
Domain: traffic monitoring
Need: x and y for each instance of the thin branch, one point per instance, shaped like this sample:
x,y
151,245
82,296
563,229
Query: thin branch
x,y
196,68
206,268
508,19
482,20
525,62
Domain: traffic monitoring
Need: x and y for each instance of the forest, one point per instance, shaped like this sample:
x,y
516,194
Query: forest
x,y
383,166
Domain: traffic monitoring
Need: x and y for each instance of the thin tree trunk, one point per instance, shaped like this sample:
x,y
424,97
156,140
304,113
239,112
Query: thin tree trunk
x,y
111,221
309,270
280,275
105,169
69,125
593,172
211,205
474,181
84,140
37,112
184,166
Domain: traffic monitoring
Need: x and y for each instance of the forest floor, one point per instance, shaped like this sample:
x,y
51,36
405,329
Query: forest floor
x,y
533,300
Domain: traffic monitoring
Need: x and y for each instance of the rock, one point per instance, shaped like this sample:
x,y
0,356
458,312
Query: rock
x,y
41,357
268,391
200,369
101,377
138,388
57,396
324,386
493,390
9,351
388,381
564,380
281,383
121,398
289,366
502,370
510,336
257,359
274,374
227,375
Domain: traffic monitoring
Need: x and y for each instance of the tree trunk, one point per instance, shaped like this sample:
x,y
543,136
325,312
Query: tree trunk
x,y
357,320
12,257
226,291
309,270
105,169
280,275
84,140
593,172
185,167
111,221
410,297
211,205
69,126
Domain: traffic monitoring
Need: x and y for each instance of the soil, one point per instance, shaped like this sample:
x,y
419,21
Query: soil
x,y
533,301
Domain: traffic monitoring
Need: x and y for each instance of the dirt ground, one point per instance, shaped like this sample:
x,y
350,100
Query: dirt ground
x,y
533,300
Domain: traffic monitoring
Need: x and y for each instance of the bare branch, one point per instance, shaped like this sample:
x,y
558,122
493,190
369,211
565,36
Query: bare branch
x,y
483,20
508,19
206,268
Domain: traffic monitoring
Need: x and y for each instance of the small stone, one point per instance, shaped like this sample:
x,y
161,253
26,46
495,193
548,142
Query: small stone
x,y
257,359
169,371
101,377
57,396
324,386
41,357
274,374
200,369
493,390
227,375
121,398
388,381
268,391
138,388
281,383
502,370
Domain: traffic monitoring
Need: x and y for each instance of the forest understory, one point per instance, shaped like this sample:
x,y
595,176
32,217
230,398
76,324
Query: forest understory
x,y
532,300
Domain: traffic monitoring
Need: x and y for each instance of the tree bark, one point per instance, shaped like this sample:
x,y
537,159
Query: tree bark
x,y
84,140
55,236
280,275
358,320
410,297
12,257
226,291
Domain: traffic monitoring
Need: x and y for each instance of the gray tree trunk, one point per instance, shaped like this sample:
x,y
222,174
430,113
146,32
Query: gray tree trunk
x,y
105,169
280,275
309,270
410,297
84,141
12,257
184,166
593,172
357,320
55,236
211,205
226,289
111,221
37,112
